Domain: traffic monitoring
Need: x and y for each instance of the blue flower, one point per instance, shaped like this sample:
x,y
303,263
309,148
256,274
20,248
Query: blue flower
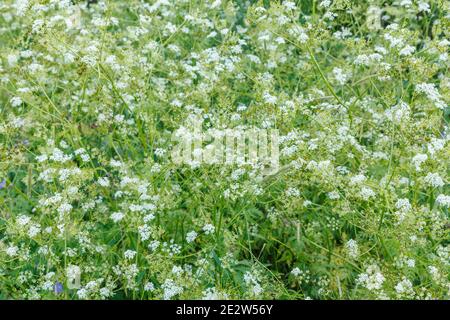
x,y
58,288
3,184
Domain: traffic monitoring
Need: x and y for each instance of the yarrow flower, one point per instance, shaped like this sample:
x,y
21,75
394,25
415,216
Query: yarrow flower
x,y
170,289
398,112
367,193
434,180
443,200
191,236
208,228
12,251
130,254
432,93
252,282
352,248
418,159
16,101
404,288
372,279
117,216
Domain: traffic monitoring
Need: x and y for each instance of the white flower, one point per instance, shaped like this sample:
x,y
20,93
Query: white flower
x,y
104,182
325,3
82,293
367,193
404,207
443,200
159,152
410,263
115,163
34,230
208,228
434,272
296,271
357,179
269,99
418,159
37,25
41,158
307,203
12,251
289,5
333,195
303,37
252,282
407,51
170,289
213,294
105,292
149,286
23,220
423,7
15,101
432,93
59,156
153,245
144,232
404,287
398,112
372,279
340,76
434,180
436,145
117,216
21,6
129,254
191,236
403,204
352,248
64,208
292,192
